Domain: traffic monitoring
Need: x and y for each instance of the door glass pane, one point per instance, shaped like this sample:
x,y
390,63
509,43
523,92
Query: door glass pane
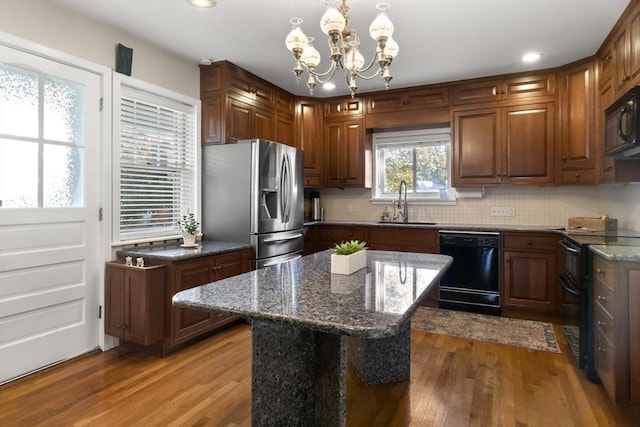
x,y
63,110
62,176
18,174
18,101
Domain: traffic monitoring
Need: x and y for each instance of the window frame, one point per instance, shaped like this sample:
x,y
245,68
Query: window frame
x,y
151,93
411,138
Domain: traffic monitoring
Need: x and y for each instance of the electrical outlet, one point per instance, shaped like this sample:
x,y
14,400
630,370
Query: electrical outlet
x,y
349,209
503,211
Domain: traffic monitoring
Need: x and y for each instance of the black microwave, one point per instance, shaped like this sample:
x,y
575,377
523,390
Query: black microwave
x,y
622,137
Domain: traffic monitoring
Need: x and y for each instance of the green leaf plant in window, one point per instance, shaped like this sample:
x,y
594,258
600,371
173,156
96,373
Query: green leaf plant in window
x,y
190,227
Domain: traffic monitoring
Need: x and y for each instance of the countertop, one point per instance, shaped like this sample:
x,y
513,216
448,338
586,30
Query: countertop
x,y
617,253
176,252
620,244
371,303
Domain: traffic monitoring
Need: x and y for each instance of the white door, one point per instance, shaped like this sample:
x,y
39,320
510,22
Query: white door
x,y
49,201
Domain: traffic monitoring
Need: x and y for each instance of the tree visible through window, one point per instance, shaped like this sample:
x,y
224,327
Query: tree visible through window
x,y
420,158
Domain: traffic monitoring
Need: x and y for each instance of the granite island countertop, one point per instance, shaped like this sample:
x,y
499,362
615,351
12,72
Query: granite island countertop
x,y
371,303
177,252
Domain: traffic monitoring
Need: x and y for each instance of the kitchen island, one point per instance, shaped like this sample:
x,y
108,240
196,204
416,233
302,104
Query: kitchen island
x,y
306,320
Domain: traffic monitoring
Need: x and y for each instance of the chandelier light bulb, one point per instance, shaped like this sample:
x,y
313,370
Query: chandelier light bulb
x,y
353,61
310,55
381,27
332,20
296,38
391,48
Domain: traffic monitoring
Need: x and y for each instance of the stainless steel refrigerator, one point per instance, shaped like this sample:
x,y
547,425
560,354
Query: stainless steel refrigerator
x,y
253,193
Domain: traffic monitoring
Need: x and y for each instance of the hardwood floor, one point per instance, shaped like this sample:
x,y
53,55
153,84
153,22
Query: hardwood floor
x,y
454,382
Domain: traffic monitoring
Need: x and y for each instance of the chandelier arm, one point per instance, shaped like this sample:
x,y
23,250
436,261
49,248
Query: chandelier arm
x,y
330,72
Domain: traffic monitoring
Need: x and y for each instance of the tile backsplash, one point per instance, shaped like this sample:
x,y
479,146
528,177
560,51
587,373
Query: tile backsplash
x,y
550,206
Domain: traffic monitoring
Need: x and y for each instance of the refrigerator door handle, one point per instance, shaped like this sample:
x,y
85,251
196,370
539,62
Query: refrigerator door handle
x,y
285,188
283,239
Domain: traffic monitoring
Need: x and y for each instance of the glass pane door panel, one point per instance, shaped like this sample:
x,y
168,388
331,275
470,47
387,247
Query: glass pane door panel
x,y
18,101
63,110
62,176
18,174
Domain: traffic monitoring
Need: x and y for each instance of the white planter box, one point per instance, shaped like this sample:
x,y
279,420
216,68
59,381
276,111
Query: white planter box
x,y
348,264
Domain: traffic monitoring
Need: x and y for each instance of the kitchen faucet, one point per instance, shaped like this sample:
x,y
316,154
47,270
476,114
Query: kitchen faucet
x,y
400,205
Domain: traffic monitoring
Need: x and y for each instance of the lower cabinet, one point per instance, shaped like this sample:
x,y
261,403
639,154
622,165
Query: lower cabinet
x,y
183,324
138,306
616,293
134,309
403,239
529,273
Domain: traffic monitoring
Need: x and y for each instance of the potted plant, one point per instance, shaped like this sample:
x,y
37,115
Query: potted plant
x,y
189,226
349,257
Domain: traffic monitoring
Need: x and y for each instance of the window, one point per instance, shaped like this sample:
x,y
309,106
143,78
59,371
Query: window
x,y
157,158
42,141
420,158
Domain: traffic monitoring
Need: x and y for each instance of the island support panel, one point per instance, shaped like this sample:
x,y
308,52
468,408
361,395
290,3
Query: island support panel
x,y
298,376
383,360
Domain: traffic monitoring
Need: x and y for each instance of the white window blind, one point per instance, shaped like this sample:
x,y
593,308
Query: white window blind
x,y
157,164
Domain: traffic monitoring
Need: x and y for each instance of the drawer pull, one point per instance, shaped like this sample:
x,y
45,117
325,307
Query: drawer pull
x,y
601,298
529,242
600,323
602,350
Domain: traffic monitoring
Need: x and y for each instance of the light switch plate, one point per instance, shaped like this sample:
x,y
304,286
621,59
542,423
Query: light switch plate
x,y
503,211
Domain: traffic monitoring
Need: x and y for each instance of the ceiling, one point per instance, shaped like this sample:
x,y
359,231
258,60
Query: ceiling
x,y
440,40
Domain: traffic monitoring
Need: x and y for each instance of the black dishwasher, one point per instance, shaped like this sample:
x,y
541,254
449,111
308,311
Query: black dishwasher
x,y
472,283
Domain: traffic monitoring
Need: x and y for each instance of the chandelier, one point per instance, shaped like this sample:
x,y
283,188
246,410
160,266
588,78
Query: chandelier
x,y
344,46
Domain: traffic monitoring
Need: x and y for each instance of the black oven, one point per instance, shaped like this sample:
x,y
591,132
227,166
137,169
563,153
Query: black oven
x,y
622,135
574,279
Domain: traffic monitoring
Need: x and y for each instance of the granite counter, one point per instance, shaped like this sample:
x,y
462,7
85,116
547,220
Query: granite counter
x,y
305,320
177,252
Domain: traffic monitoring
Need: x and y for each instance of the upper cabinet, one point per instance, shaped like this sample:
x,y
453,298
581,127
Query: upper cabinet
x,y
427,105
343,107
508,145
490,90
308,119
238,105
344,153
626,53
576,137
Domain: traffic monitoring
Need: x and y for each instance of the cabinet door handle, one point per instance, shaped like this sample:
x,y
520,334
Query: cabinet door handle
x,y
577,175
625,78
599,271
373,104
494,91
338,108
608,168
601,298
600,323
529,242
602,350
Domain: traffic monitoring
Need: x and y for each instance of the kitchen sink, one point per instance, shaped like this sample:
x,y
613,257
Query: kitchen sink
x,y
406,223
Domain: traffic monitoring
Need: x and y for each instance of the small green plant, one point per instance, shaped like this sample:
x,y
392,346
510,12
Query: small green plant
x,y
189,224
348,248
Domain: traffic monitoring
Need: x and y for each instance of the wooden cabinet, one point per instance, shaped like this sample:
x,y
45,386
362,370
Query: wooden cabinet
x,y
343,107
344,153
238,105
246,122
529,273
308,116
576,142
183,324
626,53
134,302
330,235
606,96
616,293
403,239
491,90
507,145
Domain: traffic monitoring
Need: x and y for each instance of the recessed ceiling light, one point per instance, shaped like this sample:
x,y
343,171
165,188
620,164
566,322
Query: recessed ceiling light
x,y
329,86
202,3
531,57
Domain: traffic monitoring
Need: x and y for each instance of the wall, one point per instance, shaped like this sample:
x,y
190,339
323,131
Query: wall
x,y
550,206
59,28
